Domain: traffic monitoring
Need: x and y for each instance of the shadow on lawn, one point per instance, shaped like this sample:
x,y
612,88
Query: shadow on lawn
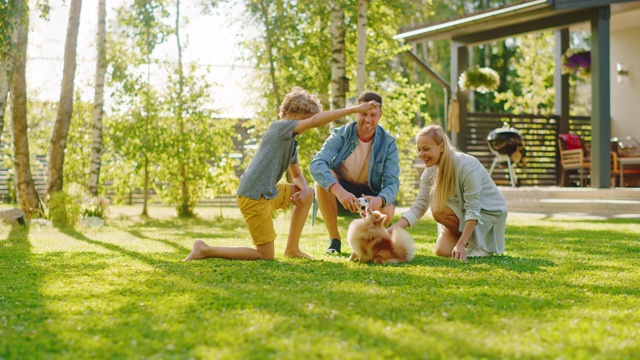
x,y
289,291
351,303
184,227
23,310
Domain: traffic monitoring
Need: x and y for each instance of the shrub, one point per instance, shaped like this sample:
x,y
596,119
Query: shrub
x,y
96,206
64,209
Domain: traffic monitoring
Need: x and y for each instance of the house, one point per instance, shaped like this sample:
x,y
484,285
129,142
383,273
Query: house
x,y
615,50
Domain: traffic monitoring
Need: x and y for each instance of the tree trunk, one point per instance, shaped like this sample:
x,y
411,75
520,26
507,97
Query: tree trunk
x,y
145,150
339,82
269,38
65,106
8,59
145,195
6,71
470,93
98,102
25,188
185,207
361,54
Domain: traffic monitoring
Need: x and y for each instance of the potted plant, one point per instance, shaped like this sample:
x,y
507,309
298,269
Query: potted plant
x,y
479,79
576,61
95,210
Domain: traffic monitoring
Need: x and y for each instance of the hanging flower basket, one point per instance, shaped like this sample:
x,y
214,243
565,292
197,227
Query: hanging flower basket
x,y
576,61
479,79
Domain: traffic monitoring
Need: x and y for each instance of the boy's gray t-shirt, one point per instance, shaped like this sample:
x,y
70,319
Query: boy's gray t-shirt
x,y
276,152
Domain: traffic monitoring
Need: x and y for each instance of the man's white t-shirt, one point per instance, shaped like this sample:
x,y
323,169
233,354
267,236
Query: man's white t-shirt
x,y
355,168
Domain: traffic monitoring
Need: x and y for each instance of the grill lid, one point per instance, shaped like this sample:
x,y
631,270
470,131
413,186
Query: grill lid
x,y
505,141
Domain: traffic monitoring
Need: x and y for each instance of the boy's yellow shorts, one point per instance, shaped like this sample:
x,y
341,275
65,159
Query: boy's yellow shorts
x,y
258,214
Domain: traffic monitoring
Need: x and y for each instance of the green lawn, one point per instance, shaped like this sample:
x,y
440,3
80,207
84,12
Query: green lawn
x,y
565,289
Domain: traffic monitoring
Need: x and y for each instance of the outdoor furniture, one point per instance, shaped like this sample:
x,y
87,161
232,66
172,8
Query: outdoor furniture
x,y
506,144
573,157
627,161
624,151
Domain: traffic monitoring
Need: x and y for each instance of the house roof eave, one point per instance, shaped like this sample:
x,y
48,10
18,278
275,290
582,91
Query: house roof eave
x,y
448,29
535,15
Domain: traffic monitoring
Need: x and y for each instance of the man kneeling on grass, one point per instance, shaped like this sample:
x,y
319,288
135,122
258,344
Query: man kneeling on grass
x,y
260,194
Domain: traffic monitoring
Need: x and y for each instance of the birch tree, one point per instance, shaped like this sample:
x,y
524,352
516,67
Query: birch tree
x,y
8,33
339,82
361,52
98,102
185,208
65,106
25,188
6,71
264,13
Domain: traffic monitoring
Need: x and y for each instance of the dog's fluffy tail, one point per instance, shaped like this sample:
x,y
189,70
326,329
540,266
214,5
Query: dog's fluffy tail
x,y
404,246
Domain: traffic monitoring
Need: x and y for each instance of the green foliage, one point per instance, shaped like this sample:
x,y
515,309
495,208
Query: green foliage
x,y
172,127
133,137
9,12
298,49
291,51
78,150
436,54
482,80
499,56
566,288
534,65
194,147
149,20
401,105
6,27
64,209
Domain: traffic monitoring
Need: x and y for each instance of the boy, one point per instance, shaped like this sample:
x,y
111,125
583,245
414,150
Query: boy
x,y
260,194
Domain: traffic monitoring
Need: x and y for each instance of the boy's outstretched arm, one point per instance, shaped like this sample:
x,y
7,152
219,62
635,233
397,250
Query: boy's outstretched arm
x,y
326,117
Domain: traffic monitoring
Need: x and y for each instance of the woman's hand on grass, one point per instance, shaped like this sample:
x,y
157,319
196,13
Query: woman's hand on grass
x,y
459,253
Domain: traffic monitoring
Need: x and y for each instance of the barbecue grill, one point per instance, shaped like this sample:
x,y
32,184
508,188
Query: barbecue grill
x,y
507,146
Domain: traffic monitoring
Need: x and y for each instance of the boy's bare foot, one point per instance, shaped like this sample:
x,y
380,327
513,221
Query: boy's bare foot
x,y
198,245
297,254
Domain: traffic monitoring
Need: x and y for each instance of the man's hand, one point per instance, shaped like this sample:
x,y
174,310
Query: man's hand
x,y
375,202
348,200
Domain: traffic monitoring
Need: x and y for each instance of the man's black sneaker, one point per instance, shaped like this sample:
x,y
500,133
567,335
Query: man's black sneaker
x,y
334,247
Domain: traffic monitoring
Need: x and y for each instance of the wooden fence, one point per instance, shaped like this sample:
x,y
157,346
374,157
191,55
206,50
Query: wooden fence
x,y
540,134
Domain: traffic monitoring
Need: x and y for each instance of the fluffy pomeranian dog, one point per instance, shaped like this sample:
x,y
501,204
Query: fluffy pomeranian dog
x,y
370,240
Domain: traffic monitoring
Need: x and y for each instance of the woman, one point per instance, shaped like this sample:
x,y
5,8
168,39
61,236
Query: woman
x,y
470,210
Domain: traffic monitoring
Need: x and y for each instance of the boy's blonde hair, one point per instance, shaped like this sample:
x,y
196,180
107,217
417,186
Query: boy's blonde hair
x,y
445,178
299,101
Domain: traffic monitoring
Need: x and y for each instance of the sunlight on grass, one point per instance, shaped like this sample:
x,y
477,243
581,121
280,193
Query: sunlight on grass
x,y
565,288
99,240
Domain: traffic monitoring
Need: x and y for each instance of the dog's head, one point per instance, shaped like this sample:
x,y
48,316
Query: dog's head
x,y
375,217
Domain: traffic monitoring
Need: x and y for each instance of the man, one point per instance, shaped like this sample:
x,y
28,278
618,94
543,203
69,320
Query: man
x,y
359,159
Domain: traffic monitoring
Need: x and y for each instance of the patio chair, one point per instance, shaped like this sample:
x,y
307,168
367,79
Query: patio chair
x,y
624,151
573,157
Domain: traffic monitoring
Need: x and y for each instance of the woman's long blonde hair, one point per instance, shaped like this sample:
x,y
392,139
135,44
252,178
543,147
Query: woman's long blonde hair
x,y
444,184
